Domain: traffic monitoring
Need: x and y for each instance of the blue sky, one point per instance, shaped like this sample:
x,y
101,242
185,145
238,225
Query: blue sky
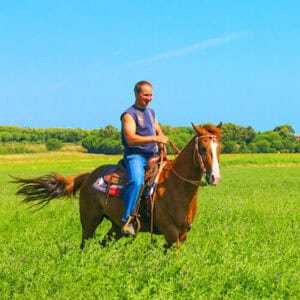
x,y
74,63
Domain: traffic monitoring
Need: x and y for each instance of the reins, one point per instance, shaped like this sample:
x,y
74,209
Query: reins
x,y
193,182
196,156
161,166
174,147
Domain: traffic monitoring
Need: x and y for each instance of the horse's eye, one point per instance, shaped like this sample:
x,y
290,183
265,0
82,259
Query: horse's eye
x,y
202,150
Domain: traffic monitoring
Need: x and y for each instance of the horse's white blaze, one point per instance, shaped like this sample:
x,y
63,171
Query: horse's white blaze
x,y
215,171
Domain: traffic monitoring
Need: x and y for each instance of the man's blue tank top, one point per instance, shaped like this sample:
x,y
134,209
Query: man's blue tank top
x,y
145,125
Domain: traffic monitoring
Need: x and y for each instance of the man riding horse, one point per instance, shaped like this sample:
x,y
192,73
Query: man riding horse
x,y
141,137
174,202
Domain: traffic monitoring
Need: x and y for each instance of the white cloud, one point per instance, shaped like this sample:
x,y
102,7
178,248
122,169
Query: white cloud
x,y
192,48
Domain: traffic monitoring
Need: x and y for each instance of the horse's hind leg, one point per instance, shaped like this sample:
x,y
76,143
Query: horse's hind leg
x,y
89,227
113,234
90,218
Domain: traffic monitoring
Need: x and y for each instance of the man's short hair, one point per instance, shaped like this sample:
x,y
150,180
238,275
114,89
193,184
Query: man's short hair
x,y
138,86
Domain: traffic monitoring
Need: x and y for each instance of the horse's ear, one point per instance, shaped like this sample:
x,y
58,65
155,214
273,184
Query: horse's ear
x,y
220,125
199,130
196,128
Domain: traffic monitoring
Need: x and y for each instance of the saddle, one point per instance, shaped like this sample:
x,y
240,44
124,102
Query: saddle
x,y
117,174
114,178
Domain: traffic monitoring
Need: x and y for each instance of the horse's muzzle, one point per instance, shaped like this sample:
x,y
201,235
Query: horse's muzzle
x,y
212,179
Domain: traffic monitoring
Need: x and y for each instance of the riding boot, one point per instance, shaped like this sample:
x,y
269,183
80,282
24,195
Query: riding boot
x,y
128,228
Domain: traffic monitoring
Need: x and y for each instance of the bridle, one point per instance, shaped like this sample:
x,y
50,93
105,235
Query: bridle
x,y
197,159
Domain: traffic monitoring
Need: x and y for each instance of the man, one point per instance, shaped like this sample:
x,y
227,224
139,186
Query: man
x,y
140,135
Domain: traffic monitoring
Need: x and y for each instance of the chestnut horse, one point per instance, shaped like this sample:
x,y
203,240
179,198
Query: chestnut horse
x,y
175,195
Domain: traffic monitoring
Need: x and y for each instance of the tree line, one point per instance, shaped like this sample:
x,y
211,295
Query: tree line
x,y
107,140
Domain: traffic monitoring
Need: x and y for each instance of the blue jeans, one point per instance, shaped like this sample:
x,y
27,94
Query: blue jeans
x,y
135,165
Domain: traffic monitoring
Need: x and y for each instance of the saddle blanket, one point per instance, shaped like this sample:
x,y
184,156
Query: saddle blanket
x,y
112,189
113,179
117,190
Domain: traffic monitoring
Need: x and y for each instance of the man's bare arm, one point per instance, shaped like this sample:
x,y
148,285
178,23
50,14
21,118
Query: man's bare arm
x,y
129,130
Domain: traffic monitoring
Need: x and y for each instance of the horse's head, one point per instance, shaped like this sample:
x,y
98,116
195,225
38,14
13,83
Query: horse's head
x,y
207,151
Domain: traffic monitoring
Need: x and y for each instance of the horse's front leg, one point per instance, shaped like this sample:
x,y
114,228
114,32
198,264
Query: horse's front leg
x,y
113,234
171,234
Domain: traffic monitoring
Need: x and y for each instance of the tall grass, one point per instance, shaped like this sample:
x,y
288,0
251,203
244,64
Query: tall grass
x,y
33,147
244,242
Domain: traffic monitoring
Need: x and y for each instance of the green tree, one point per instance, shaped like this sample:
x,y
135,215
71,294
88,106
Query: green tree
x,y
6,136
110,146
230,147
277,145
109,132
91,143
244,148
285,131
248,134
263,146
232,132
297,147
252,147
288,146
53,144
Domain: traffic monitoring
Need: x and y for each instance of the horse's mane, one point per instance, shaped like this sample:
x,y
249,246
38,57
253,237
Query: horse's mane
x,y
217,131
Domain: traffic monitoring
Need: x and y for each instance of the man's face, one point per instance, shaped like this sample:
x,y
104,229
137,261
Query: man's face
x,y
144,98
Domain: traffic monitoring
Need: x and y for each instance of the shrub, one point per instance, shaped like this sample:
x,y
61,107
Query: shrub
x,y
297,147
53,144
230,147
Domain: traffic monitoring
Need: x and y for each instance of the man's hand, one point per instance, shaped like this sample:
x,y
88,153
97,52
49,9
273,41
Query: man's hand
x,y
161,138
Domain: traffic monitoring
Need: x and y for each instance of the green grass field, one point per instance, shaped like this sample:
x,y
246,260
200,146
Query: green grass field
x,y
244,243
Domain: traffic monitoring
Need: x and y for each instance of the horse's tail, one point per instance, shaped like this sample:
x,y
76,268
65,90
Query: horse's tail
x,y
41,190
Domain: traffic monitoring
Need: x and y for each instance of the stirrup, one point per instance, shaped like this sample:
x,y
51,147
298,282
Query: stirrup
x,y
128,228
